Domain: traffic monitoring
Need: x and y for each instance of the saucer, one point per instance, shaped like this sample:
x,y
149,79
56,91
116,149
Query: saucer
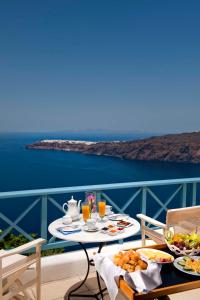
x,y
85,228
109,213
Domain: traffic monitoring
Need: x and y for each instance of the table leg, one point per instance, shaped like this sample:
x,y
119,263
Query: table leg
x,y
99,286
73,293
97,274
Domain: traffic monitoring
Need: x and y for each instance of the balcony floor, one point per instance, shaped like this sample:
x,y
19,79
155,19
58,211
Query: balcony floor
x,y
56,290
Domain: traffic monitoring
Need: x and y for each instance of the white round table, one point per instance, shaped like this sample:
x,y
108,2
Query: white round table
x,y
93,237
84,237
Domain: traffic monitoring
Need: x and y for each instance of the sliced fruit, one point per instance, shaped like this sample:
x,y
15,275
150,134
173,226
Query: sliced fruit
x,y
187,269
181,262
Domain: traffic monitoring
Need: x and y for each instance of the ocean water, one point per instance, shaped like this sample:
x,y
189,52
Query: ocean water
x,y
23,169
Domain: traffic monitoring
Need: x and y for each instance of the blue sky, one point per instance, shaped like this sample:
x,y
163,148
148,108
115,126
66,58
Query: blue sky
x,y
109,64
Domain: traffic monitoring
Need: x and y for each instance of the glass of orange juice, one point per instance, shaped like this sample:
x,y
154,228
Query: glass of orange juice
x,y
85,211
102,209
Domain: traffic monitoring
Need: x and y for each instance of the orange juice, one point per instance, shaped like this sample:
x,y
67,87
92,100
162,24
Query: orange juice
x,y
102,208
85,212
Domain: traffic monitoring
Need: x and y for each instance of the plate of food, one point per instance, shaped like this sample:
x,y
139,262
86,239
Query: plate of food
x,y
129,261
115,231
124,223
160,257
105,229
112,230
188,264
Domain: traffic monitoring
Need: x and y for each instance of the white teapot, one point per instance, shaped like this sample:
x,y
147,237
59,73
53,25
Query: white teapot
x,y
73,209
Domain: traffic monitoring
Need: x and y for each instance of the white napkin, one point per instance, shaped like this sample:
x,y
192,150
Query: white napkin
x,y
141,281
145,280
107,270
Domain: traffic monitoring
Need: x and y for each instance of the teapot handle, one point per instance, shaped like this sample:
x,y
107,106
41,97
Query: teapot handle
x,y
64,210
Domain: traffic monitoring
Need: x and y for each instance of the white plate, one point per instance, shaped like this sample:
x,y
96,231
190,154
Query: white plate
x,y
118,217
180,268
145,257
115,233
124,226
69,228
85,228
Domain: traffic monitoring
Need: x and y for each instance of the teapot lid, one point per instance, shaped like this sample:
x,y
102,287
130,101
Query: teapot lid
x,y
72,200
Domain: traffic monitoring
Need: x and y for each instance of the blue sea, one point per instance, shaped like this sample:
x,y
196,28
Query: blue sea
x,y
23,169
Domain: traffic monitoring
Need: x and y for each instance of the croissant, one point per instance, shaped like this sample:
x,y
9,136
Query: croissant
x,y
129,261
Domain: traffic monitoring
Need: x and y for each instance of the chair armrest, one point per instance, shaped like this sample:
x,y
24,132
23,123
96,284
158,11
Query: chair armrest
x,y
22,248
151,221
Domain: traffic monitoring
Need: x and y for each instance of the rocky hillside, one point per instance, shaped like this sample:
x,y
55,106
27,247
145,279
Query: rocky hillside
x,y
183,147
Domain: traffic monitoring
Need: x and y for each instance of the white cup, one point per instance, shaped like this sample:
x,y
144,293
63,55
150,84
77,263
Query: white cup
x,y
108,209
91,224
66,219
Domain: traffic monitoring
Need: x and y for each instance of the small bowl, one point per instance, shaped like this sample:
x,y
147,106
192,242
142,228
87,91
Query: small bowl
x,y
104,230
116,231
67,220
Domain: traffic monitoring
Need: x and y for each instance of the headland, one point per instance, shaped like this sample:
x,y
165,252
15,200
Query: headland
x,y
182,148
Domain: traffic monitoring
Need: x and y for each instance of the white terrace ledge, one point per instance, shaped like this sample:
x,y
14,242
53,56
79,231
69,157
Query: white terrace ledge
x,y
74,263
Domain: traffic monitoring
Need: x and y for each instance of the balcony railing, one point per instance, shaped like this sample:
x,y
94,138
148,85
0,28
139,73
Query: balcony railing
x,y
151,197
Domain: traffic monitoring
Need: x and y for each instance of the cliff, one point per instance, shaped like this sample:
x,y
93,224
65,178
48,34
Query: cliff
x,y
183,148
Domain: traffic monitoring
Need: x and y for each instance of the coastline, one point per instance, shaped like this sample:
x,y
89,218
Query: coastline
x,y
179,148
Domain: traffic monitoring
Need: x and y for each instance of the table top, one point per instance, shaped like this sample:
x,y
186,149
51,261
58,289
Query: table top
x,y
93,237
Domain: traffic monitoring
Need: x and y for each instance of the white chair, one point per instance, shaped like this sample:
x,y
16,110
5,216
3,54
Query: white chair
x,y
183,220
13,266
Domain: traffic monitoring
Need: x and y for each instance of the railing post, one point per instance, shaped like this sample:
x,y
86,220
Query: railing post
x,y
144,211
184,194
143,233
1,279
194,194
44,217
144,200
